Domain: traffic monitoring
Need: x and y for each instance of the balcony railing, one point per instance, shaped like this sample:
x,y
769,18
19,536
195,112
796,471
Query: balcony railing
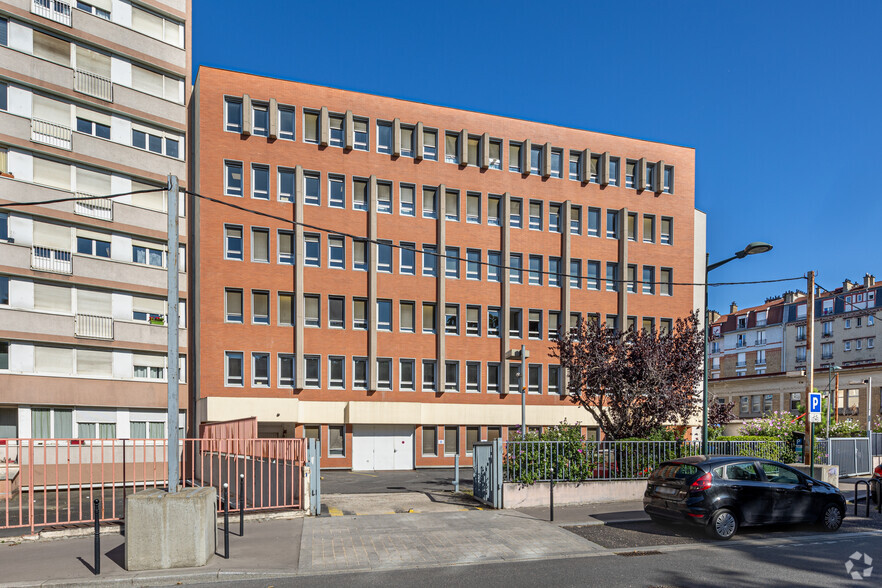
x,y
57,10
760,362
800,337
827,334
761,322
56,135
94,327
93,207
51,260
826,356
741,364
760,342
93,85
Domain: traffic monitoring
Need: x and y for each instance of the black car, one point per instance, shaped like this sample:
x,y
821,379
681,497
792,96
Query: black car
x,y
724,493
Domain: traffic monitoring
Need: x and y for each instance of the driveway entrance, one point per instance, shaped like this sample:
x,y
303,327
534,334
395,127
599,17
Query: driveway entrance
x,y
382,447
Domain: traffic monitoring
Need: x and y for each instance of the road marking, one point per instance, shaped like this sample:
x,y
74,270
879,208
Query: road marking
x,y
364,474
335,512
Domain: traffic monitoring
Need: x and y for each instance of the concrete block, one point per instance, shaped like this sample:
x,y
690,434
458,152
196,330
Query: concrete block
x,y
823,472
170,530
592,491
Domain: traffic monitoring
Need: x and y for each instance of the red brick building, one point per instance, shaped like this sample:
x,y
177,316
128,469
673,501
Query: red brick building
x,y
337,320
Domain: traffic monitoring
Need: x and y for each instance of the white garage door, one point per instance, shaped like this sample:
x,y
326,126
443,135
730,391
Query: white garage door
x,y
382,447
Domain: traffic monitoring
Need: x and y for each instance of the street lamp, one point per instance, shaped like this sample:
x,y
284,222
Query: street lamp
x,y
751,249
521,354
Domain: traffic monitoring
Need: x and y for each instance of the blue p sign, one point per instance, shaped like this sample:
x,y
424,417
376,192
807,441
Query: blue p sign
x,y
814,402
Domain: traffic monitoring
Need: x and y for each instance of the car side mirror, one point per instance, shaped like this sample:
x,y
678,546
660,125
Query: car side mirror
x,y
809,483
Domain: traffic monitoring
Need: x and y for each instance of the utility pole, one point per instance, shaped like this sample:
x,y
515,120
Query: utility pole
x,y
172,322
524,383
810,364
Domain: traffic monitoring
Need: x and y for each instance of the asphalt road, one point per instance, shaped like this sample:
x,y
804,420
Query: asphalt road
x,y
421,480
812,560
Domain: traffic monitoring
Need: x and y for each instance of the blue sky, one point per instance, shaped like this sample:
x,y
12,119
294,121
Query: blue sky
x,y
779,99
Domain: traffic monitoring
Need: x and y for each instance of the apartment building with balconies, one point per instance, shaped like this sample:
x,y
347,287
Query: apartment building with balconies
x,y
409,249
92,103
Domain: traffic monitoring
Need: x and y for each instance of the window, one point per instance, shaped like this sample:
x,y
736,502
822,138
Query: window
x,y
360,373
493,322
553,324
260,370
515,265
286,247
430,441
473,320
384,137
594,177
233,114
593,222
384,197
534,378
575,220
668,185
336,191
630,173
337,130
534,324
430,144
535,159
451,440
233,301
361,139
233,241
612,224
755,402
260,120
286,309
612,276
430,205
336,252
554,272
632,226
286,123
260,245
384,257
495,154
667,231
312,191
648,228
514,156
554,379
140,253
233,178
514,378
451,262
286,370
494,269
312,250
473,376
384,315
451,205
474,150
406,196
406,374
800,355
337,312
535,276
649,180
260,307
234,368
554,218
473,264
613,171
407,259
451,319
451,147
648,279
359,314
286,185
492,377
493,211
666,281
98,129
313,371
430,260
592,275
311,126
556,163
451,376
359,194
575,273
359,255
515,213
384,374
826,350
429,374
405,317
632,278
575,165
429,324
99,248
312,310
514,323
336,441
536,215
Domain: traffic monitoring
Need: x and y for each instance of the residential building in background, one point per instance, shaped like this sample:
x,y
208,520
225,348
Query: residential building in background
x,y
92,103
404,250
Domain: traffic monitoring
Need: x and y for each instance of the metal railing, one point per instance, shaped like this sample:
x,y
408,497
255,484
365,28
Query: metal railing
x,y
53,481
93,207
92,326
51,260
48,133
532,461
876,443
93,85
57,10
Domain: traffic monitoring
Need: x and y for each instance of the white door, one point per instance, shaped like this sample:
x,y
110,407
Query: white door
x,y
382,447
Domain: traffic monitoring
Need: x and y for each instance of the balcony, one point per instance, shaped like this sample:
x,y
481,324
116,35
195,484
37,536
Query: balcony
x,y
740,364
739,344
92,84
827,335
826,356
800,337
57,10
89,326
51,134
761,322
760,342
51,260
93,207
760,362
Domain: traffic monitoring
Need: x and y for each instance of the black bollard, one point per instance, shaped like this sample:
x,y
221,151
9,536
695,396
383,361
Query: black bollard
x,y
97,516
226,521
241,505
551,492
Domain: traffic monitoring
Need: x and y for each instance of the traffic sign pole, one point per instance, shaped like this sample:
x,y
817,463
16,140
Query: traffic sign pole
x,y
814,417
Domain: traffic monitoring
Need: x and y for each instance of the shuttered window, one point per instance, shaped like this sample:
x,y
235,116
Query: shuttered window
x,y
94,363
92,182
52,298
93,302
54,111
52,48
53,360
93,62
52,236
51,173
152,200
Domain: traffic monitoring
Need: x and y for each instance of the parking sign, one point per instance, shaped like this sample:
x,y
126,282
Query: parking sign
x,y
815,407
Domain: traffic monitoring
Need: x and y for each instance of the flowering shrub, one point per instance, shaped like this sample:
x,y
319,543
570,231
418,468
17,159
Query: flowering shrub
x,y
776,424
877,425
843,428
530,462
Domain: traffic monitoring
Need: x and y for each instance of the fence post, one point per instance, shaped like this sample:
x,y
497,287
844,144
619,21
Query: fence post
x,y
31,484
241,505
97,515
456,473
551,496
226,521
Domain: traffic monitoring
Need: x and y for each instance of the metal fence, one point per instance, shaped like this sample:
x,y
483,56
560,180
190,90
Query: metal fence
x,y
876,443
536,461
53,481
852,455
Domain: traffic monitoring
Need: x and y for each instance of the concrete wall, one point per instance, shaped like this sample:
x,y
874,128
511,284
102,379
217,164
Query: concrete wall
x,y
522,495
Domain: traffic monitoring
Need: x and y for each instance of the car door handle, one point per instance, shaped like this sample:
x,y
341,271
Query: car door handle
x,y
780,490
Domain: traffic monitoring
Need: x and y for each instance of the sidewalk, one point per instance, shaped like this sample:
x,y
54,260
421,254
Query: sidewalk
x,y
590,514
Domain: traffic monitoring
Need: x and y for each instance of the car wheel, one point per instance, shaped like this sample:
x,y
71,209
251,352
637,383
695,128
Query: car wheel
x,y
831,518
723,524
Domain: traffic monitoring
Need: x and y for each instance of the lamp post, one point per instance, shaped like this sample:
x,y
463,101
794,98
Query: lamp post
x,y
832,368
751,249
522,355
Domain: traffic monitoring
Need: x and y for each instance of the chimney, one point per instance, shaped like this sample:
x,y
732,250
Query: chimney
x,y
733,308
788,297
869,280
847,285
